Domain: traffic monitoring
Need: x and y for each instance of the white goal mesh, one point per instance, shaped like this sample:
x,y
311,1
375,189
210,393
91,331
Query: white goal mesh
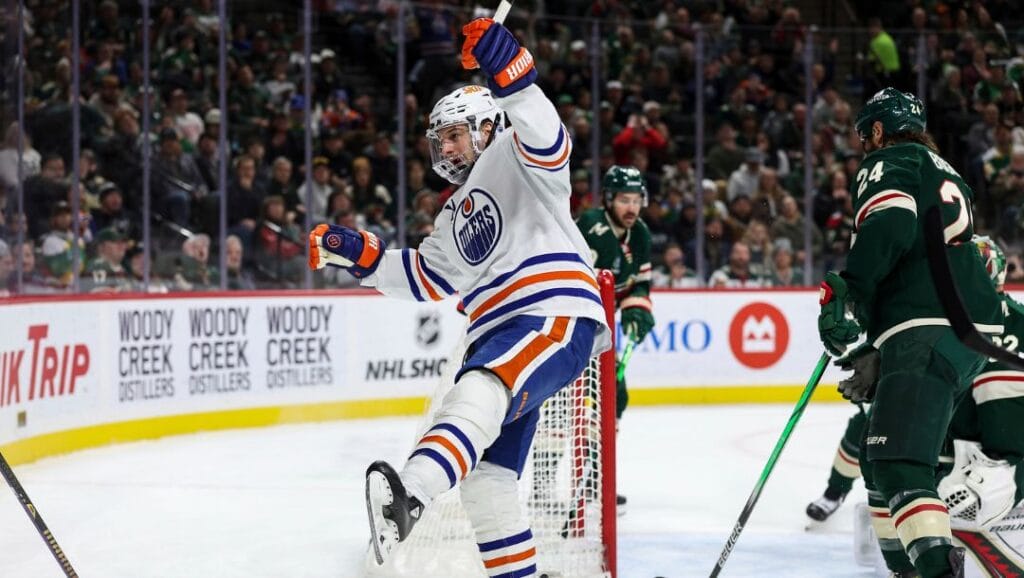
x,y
562,490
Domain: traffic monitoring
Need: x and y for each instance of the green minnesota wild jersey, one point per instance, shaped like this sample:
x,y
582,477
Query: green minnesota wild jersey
x,y
629,258
887,267
103,275
998,380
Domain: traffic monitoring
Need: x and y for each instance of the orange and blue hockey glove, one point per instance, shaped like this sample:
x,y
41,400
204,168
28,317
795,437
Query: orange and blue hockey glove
x,y
358,251
496,51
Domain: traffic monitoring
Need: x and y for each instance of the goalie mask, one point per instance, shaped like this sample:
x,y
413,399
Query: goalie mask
x,y
993,257
465,109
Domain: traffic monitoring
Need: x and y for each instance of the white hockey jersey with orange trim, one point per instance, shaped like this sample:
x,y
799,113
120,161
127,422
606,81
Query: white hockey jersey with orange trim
x,y
505,240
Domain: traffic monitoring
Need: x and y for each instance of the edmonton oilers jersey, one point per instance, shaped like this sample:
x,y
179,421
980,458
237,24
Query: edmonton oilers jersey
x,y
505,241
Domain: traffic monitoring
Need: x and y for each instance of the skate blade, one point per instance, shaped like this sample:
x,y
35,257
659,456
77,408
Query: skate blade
x,y
383,532
814,525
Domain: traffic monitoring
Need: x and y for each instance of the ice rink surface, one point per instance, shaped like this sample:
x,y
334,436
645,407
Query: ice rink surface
x,y
286,502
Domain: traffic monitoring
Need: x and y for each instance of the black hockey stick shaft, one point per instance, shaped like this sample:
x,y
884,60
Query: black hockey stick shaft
x,y
798,411
37,520
950,297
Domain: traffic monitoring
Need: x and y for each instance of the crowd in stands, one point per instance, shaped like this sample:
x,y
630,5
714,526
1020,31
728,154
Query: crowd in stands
x,y
756,220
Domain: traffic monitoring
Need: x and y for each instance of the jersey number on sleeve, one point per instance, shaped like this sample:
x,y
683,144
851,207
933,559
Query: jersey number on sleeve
x,y
951,195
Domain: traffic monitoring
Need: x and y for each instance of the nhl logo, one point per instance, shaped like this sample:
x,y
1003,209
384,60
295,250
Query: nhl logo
x,y
477,226
428,329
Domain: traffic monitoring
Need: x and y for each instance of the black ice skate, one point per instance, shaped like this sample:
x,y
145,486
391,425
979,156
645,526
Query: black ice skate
x,y
820,509
391,510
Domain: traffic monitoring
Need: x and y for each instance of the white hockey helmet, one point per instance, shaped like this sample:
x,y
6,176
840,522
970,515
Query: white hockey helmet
x,y
470,105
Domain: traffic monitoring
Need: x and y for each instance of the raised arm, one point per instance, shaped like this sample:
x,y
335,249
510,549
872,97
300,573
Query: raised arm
x,y
541,140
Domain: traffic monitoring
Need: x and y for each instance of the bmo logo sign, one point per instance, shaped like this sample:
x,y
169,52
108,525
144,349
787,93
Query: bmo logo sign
x,y
758,335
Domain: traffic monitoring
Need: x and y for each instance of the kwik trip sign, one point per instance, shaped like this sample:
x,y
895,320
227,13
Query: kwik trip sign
x,y
44,366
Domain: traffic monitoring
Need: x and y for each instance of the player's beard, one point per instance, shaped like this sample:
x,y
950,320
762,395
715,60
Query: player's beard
x,y
620,222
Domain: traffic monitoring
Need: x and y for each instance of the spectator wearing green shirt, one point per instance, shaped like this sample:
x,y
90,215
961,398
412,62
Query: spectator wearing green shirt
x,y
998,155
106,272
883,59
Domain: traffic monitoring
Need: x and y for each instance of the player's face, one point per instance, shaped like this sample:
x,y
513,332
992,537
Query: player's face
x,y
626,207
456,140
874,142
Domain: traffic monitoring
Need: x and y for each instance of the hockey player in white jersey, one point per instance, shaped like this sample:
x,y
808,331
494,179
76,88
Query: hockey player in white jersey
x,y
506,242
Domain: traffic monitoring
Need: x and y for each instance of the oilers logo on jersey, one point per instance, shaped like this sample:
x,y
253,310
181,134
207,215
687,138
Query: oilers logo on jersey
x,y
505,240
477,226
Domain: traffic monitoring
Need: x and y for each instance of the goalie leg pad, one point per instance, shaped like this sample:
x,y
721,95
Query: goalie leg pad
x,y
979,491
490,497
468,422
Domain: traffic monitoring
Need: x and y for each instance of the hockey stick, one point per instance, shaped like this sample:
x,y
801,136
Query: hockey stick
x,y
627,352
502,12
950,297
33,514
805,397
499,16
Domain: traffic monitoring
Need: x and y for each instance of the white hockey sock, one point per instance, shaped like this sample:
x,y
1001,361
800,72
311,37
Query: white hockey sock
x,y
513,555
490,499
468,423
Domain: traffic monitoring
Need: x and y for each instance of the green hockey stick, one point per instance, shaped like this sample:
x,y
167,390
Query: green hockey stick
x,y
812,383
627,352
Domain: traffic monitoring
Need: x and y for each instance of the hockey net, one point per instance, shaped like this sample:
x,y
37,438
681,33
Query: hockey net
x,y
567,488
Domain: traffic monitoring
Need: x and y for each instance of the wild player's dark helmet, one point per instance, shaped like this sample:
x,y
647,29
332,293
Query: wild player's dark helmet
x,y
897,111
620,179
993,257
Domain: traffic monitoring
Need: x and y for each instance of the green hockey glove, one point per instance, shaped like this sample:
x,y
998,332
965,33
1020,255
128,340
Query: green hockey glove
x,y
637,319
836,330
863,361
